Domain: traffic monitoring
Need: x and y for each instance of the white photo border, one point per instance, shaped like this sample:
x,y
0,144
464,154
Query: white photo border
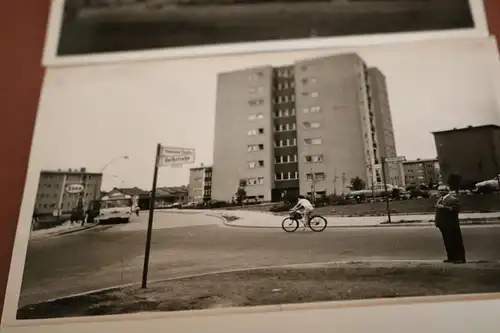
x,y
50,57
243,316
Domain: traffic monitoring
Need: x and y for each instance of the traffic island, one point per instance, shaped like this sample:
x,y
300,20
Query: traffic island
x,y
64,229
464,221
284,285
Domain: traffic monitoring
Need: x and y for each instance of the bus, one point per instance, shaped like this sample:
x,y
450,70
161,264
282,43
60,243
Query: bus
x,y
116,207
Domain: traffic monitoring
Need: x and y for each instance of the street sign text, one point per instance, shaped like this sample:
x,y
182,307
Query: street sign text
x,y
173,156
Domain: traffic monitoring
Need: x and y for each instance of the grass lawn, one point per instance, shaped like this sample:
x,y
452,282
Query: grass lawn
x,y
280,286
122,30
473,203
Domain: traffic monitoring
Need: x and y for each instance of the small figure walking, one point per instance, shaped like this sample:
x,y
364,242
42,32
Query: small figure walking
x,y
448,222
34,220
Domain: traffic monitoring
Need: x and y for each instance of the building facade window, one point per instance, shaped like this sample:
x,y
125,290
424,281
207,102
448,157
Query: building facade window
x,y
317,176
256,76
314,158
286,159
308,80
313,109
285,143
255,181
313,141
254,90
256,164
258,147
256,116
285,127
256,102
257,131
291,175
312,125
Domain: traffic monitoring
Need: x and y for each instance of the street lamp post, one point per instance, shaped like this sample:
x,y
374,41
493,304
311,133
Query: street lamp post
x,y
123,157
113,160
384,161
335,178
343,182
495,161
370,168
313,186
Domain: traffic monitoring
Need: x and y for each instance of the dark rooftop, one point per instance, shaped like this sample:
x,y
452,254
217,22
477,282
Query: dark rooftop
x,y
132,191
70,171
468,128
420,160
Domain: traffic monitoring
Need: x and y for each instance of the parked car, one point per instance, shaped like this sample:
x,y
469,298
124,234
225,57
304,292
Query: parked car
x,y
377,191
190,205
174,205
421,191
487,186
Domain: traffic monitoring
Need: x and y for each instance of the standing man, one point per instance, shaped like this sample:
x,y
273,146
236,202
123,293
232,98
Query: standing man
x,y
447,220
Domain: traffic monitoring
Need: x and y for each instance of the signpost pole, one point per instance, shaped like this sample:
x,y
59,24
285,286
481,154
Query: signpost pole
x,y
150,220
386,195
61,197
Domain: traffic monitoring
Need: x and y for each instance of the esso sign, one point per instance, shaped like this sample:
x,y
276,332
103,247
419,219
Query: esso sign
x,y
75,188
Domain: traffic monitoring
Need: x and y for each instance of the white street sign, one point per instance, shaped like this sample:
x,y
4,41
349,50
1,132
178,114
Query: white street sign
x,y
174,156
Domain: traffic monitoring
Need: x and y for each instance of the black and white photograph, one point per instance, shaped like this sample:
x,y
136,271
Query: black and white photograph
x,y
93,27
267,179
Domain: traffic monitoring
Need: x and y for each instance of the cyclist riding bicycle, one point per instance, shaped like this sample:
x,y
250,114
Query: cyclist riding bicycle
x,y
306,207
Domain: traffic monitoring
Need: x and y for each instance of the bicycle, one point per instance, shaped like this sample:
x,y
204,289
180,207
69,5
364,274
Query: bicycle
x,y
317,223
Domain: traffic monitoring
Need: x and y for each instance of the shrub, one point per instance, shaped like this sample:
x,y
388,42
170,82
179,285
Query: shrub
x,y
281,207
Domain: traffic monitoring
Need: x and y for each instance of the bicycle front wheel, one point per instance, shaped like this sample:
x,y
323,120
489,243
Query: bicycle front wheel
x,y
289,224
317,223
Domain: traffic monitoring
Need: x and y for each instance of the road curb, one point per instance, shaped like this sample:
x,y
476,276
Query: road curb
x,y
380,225
296,266
66,232
377,225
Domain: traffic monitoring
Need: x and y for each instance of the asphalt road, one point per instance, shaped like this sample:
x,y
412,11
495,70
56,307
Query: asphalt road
x,y
192,244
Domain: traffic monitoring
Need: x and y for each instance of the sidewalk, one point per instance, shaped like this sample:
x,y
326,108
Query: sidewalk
x,y
63,229
253,219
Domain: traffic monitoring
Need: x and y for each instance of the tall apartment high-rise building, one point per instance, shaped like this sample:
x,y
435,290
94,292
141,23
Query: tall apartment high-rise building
x,y
379,100
200,184
55,189
308,127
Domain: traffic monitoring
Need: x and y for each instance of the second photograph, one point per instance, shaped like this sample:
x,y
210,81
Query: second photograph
x,y
264,179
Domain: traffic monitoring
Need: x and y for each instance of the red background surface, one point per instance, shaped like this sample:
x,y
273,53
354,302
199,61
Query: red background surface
x,y
22,34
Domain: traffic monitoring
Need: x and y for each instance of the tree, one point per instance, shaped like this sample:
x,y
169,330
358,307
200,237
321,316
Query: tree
x,y
357,184
241,193
454,181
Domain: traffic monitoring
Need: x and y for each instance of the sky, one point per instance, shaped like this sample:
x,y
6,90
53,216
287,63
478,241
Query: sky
x,y
89,115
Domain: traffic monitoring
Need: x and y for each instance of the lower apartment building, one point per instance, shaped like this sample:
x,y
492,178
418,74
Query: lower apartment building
x,y
422,172
472,152
305,128
200,184
66,189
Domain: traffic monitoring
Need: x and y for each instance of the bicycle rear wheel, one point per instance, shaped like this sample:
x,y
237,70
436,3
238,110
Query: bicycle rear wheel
x,y
289,224
317,223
